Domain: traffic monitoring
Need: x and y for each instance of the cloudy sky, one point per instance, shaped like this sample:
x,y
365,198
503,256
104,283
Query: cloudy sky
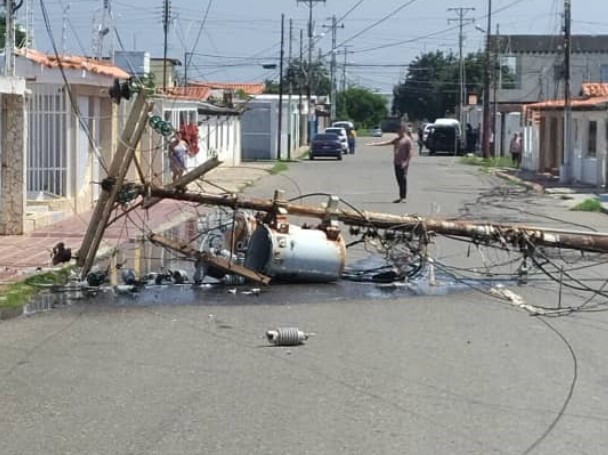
x,y
240,35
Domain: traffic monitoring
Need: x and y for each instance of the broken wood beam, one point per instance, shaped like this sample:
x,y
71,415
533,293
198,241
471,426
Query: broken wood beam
x,y
513,234
226,266
184,180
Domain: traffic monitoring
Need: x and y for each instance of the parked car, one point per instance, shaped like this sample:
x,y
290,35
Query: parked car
x,y
342,134
344,124
376,132
326,144
445,136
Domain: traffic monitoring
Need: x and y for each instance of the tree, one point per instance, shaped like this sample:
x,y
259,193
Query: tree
x,y
298,72
362,106
431,86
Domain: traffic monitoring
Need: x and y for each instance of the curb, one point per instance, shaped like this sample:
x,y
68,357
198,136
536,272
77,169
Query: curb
x,y
537,188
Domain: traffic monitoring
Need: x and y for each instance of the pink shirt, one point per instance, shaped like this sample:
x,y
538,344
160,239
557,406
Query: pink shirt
x,y
403,151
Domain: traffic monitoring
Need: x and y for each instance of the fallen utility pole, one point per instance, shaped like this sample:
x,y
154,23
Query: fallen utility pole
x,y
179,184
125,152
226,266
521,236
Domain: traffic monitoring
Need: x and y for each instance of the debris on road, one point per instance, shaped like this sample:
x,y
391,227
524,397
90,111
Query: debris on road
x,y
290,336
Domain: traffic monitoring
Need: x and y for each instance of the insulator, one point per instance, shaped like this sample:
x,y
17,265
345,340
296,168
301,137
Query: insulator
x,y
290,336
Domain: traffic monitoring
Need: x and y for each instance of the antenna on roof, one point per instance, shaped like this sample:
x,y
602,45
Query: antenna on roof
x,y
102,25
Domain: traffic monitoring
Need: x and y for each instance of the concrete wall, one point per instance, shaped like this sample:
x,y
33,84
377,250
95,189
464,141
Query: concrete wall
x,y
259,129
590,170
12,165
536,79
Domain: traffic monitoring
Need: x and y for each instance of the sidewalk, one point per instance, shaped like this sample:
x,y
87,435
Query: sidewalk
x,y
22,255
550,185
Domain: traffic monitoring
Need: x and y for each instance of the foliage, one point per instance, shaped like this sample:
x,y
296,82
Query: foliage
x,y
364,107
297,71
493,162
431,86
21,39
18,294
589,205
280,166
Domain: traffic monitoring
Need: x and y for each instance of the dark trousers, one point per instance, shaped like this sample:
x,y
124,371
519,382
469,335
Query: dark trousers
x,y
516,157
401,177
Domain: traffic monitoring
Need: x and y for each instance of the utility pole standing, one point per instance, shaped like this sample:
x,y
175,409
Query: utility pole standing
x,y
461,12
166,14
280,132
310,78
497,83
487,127
334,64
289,89
9,39
300,85
344,67
567,174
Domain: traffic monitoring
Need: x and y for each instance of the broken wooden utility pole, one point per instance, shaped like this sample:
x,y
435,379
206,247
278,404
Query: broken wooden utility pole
x,y
521,236
230,268
112,184
180,184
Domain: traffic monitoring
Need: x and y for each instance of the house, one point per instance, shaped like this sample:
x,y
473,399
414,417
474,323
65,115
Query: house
x,y
219,127
544,136
157,70
536,64
69,134
212,131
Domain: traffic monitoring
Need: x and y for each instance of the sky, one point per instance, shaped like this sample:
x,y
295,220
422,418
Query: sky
x,y
238,36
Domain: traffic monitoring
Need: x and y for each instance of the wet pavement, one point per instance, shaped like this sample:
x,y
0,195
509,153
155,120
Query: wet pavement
x,y
390,370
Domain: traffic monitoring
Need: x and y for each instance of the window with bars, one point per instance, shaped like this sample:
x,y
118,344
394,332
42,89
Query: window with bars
x,y
47,166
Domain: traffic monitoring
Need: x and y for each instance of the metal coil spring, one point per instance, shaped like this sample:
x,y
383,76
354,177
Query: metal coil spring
x,y
290,336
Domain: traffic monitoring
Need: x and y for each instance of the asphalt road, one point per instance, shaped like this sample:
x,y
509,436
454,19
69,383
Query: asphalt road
x,y
461,373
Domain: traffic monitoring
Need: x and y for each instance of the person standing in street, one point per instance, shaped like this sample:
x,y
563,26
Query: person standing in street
x,y
515,149
402,155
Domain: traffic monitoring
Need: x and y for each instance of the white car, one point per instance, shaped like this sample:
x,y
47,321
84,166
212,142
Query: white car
x,y
341,132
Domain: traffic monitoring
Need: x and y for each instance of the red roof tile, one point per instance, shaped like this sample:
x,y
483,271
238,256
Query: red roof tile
x,y
250,88
192,93
589,102
74,62
595,89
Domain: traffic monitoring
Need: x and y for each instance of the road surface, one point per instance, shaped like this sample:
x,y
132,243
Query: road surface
x,y
461,373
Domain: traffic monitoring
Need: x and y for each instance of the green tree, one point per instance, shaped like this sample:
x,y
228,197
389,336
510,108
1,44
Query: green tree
x,y
298,72
362,106
431,86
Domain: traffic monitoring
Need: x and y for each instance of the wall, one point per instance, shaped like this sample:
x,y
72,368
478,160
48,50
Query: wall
x,y
536,76
12,165
259,128
590,170
156,68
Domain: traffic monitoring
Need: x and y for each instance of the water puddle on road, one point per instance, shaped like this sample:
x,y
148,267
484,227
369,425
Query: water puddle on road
x,y
147,259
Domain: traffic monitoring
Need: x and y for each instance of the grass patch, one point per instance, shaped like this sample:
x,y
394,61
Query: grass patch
x,y
280,166
589,205
498,161
16,295
363,132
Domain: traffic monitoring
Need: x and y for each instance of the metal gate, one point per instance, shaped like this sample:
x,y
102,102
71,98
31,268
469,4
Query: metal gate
x,y
47,165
